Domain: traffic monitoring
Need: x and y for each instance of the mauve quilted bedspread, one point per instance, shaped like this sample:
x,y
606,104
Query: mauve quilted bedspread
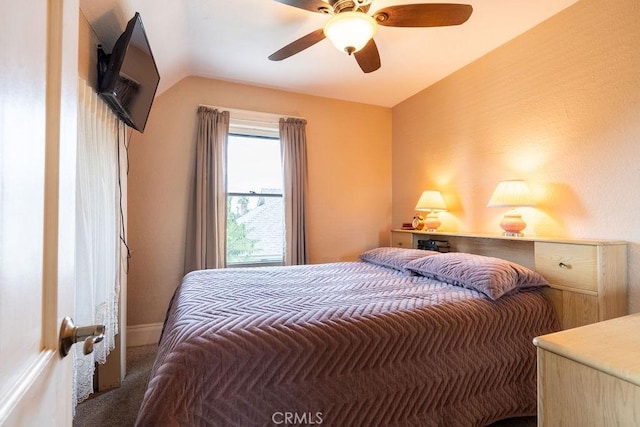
x,y
342,344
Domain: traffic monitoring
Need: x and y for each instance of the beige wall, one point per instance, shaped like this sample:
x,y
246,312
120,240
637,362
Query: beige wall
x,y
558,106
87,53
349,146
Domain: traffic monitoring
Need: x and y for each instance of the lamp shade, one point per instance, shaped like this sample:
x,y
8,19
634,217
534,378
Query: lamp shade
x,y
350,31
511,193
431,201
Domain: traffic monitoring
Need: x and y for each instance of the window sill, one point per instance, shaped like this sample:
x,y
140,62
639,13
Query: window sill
x,y
255,264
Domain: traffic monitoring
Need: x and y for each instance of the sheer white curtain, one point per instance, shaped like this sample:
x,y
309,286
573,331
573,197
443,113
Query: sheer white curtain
x,y
98,231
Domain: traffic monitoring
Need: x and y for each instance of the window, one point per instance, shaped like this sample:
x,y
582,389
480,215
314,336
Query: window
x,y
255,210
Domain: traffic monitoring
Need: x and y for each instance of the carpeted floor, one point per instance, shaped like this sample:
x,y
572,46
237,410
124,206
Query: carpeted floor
x,y
119,407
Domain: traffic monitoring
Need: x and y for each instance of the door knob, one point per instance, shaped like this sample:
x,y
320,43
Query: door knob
x,y
70,334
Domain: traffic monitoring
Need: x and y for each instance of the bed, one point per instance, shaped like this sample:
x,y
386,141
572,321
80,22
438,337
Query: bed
x,y
403,337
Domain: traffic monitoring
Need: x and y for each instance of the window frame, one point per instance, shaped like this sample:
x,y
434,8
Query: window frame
x,y
256,132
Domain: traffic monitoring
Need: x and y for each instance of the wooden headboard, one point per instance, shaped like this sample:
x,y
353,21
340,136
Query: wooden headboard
x,y
588,277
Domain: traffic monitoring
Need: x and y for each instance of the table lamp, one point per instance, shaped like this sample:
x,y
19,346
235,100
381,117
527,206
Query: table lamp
x,y
513,193
432,202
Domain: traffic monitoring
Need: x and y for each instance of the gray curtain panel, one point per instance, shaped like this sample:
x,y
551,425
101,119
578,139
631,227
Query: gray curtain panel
x,y
294,160
206,231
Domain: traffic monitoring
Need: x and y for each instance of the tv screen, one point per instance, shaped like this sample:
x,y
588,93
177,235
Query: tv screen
x,y
128,78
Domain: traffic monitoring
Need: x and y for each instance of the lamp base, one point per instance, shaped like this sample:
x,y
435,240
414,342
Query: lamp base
x,y
512,224
432,222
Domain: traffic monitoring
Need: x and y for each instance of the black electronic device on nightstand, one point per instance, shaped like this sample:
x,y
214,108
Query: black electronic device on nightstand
x,y
434,245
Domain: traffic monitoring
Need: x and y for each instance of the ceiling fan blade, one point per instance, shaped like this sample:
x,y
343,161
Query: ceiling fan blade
x,y
368,57
423,15
298,46
312,5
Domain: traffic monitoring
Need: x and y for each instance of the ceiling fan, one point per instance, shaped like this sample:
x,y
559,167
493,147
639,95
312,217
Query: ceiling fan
x,y
351,28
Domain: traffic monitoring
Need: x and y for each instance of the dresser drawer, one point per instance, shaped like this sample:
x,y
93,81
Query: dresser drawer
x,y
568,265
401,240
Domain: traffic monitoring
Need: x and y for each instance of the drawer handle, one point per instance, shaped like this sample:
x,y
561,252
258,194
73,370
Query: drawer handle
x,y
565,266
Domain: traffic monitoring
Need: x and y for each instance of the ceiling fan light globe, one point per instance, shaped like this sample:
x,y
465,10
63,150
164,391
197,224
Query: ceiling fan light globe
x,y
350,31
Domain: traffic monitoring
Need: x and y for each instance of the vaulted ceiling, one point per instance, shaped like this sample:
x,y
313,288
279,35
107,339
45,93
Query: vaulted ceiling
x,y
231,40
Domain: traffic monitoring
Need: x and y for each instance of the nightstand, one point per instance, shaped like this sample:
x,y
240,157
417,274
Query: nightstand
x,y
590,376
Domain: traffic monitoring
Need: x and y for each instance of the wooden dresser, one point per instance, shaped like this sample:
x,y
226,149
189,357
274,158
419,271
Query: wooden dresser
x,y
590,376
588,277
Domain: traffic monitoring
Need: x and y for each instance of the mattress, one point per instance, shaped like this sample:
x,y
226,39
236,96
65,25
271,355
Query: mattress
x,y
342,344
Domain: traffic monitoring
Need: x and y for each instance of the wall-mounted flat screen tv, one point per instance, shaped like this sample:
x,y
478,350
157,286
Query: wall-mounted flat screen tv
x,y
128,78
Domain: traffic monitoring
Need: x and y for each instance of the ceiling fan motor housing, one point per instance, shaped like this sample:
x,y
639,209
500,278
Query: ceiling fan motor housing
x,y
349,5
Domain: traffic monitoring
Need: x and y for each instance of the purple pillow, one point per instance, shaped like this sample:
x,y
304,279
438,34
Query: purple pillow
x,y
395,258
493,277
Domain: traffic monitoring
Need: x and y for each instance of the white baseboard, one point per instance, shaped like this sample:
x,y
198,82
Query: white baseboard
x,y
143,334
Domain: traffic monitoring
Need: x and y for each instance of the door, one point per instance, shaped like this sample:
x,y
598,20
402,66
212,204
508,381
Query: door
x,y
38,126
